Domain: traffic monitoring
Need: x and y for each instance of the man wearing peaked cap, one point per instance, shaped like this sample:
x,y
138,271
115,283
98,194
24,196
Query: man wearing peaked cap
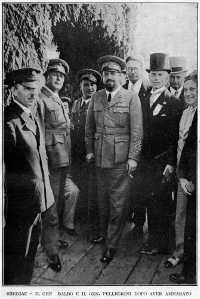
x,y
58,65
113,138
111,62
58,147
161,114
27,185
89,80
177,76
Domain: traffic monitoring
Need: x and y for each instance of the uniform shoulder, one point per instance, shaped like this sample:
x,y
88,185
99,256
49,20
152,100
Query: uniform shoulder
x,y
45,93
10,114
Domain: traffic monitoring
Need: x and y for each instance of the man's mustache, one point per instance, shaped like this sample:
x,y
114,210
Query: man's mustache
x,y
109,81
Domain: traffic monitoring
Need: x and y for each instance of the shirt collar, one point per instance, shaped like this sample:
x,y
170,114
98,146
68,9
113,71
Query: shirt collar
x,y
84,101
178,90
25,109
113,93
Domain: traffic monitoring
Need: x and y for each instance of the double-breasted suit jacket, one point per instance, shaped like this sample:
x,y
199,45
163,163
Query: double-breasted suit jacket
x,y
57,129
28,191
114,130
27,176
161,127
161,122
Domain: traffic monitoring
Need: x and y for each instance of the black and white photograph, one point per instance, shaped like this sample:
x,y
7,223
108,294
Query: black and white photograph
x,y
99,147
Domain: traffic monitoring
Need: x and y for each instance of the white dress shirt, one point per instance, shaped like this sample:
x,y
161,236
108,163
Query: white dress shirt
x,y
84,101
155,94
175,92
113,93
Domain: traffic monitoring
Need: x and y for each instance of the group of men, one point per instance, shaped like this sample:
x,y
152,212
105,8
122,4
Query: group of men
x,y
117,144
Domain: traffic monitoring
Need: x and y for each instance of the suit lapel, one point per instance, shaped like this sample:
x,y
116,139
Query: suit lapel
x,y
159,101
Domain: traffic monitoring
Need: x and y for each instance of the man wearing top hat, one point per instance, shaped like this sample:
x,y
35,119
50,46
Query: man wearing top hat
x,y
177,76
58,147
27,185
113,139
161,113
84,172
137,83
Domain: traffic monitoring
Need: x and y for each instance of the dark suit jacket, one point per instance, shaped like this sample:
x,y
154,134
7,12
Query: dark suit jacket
x,y
143,89
78,120
188,162
160,127
26,170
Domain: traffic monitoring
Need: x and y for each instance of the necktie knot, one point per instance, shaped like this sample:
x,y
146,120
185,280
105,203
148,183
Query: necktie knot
x,y
109,97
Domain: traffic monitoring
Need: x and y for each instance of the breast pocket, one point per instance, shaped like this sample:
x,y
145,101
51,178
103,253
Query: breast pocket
x,y
121,115
52,114
121,149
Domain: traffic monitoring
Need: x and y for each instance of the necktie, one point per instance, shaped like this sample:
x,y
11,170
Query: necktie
x,y
176,93
109,97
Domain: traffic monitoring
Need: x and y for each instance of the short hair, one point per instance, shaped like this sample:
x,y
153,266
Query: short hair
x,y
192,76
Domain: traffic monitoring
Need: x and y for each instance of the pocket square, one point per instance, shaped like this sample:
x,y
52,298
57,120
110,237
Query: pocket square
x,y
157,109
163,114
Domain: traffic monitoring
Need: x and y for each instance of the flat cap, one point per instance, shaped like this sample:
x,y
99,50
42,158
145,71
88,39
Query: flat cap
x,y
111,62
22,75
89,74
58,65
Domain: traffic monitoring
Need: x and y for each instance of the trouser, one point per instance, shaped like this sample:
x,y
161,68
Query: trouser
x,y
18,268
84,175
63,211
113,195
65,194
181,207
153,193
189,266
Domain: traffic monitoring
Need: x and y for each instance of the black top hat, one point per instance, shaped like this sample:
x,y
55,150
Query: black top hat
x,y
58,65
159,62
89,74
22,75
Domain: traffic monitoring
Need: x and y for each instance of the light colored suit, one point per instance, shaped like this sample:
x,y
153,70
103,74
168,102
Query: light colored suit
x,y
114,134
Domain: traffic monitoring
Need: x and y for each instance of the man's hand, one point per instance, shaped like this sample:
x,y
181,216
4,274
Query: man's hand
x,y
131,167
188,187
90,157
168,170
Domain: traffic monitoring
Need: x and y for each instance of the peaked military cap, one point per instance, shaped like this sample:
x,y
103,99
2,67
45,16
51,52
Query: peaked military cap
x,y
89,74
178,64
159,62
22,75
58,65
111,62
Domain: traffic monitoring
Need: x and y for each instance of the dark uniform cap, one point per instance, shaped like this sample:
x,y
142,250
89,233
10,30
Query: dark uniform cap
x,y
89,74
111,62
22,75
58,65
159,62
